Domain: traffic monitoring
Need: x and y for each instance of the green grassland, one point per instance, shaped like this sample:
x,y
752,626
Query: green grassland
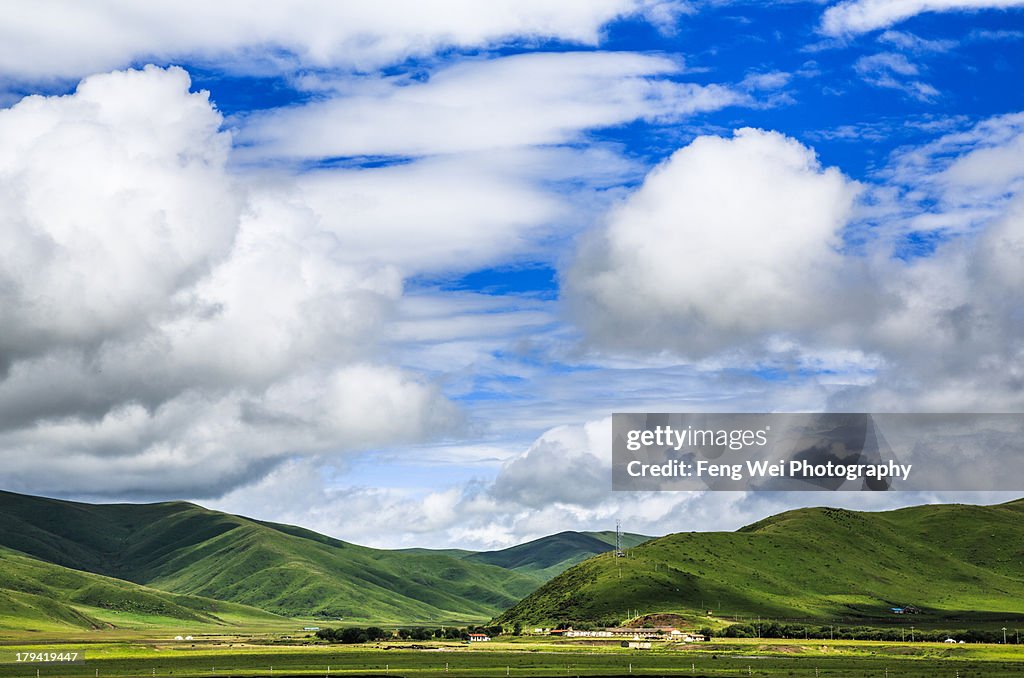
x,y
955,562
239,656
48,599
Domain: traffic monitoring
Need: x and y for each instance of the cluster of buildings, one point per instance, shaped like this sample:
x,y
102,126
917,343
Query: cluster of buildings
x,y
632,634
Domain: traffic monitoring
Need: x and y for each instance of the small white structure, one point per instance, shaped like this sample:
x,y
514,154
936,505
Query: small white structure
x,y
598,633
949,640
686,636
479,638
178,638
188,637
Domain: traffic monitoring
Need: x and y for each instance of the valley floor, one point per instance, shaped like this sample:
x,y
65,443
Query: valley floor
x,y
276,655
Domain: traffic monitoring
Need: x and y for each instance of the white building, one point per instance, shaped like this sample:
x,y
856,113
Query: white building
x,y
660,633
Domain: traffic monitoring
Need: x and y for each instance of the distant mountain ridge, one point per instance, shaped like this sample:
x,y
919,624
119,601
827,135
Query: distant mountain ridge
x,y
552,555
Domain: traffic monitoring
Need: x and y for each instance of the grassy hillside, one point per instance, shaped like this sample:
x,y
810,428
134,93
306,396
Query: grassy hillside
x,y
549,556
183,548
35,595
952,561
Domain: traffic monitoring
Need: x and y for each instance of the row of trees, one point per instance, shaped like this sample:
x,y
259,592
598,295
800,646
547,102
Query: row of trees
x,y
355,634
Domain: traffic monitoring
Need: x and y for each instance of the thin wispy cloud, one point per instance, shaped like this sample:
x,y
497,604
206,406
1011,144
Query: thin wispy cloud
x,y
894,71
862,16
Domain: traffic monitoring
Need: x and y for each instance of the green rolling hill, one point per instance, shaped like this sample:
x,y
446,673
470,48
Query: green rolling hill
x,y
951,561
38,596
185,549
84,565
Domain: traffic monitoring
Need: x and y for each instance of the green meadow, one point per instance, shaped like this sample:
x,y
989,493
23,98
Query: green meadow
x,y
269,655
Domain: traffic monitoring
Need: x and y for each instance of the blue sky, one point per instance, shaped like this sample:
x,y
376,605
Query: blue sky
x,y
386,271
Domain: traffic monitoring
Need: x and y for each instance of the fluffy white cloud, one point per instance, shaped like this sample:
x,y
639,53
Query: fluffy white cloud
x,y
725,242
65,38
202,444
862,16
522,100
172,328
692,264
569,464
951,340
108,206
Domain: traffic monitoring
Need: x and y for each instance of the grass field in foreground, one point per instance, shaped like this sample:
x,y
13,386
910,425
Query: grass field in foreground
x,y
227,656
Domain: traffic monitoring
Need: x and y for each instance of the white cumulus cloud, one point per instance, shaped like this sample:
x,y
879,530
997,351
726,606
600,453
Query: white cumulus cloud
x,y
733,249
108,206
172,327
728,240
